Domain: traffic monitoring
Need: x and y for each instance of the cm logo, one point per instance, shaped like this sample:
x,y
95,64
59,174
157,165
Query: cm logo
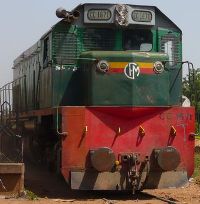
x,y
132,70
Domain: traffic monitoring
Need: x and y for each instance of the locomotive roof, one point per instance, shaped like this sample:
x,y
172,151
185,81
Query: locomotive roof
x,y
36,47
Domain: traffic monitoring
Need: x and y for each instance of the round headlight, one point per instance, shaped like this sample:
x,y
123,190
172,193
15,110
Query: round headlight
x,y
103,66
158,67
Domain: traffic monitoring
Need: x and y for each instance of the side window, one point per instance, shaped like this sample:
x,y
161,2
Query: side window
x,y
170,45
46,52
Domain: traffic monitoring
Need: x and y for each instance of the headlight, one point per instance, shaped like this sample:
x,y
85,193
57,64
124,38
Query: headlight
x,y
158,67
103,66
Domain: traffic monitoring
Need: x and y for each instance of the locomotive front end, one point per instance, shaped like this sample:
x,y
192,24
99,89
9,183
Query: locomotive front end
x,y
133,137
131,131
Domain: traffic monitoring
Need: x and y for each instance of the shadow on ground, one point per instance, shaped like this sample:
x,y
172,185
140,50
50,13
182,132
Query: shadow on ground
x,y
45,184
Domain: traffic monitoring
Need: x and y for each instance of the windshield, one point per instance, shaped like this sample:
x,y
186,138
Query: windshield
x,y
138,39
105,39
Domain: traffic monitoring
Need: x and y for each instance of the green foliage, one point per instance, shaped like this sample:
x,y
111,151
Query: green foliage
x,y
197,166
191,87
30,195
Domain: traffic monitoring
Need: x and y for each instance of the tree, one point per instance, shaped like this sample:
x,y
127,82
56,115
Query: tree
x,y
191,87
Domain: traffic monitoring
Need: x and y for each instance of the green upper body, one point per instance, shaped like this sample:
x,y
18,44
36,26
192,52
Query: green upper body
x,y
100,60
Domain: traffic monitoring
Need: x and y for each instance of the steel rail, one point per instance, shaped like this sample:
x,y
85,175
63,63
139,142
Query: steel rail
x,y
159,198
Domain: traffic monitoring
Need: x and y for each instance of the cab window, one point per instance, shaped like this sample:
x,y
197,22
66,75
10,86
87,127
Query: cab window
x,y
139,39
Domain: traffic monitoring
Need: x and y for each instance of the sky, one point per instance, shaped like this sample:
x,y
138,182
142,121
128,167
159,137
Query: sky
x,y
23,22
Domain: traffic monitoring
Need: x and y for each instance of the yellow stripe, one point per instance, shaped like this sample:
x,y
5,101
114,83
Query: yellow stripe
x,y
145,65
117,64
114,65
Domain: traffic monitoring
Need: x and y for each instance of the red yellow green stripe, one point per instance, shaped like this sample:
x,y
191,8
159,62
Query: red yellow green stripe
x,y
145,67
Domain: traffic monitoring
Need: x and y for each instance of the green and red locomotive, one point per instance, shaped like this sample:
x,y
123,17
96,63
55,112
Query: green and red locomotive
x,y
102,94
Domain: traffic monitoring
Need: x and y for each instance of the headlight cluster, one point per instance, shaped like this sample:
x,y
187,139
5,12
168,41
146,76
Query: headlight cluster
x,y
122,15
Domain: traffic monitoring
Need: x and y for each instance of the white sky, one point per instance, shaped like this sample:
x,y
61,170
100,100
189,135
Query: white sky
x,y
23,22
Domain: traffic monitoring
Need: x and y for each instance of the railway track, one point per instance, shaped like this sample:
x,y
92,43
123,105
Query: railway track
x,y
114,198
138,197
169,201
141,196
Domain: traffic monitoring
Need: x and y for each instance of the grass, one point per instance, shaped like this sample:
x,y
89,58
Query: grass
x,y
198,136
30,195
196,174
197,166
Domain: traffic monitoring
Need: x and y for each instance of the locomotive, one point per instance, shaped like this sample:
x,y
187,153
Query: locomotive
x,y
99,97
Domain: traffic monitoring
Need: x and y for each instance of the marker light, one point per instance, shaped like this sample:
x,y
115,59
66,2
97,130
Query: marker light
x,y
141,131
158,67
103,66
173,131
117,163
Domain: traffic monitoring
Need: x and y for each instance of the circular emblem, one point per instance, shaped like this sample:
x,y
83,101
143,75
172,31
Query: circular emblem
x,y
132,70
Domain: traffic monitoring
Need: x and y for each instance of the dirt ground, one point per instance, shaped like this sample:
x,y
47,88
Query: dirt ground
x,y
189,194
51,189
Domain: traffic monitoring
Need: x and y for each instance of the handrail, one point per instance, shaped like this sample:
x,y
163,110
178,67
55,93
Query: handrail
x,y
57,124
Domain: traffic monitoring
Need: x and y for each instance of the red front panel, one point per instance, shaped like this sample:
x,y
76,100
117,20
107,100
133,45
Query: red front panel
x,y
119,128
